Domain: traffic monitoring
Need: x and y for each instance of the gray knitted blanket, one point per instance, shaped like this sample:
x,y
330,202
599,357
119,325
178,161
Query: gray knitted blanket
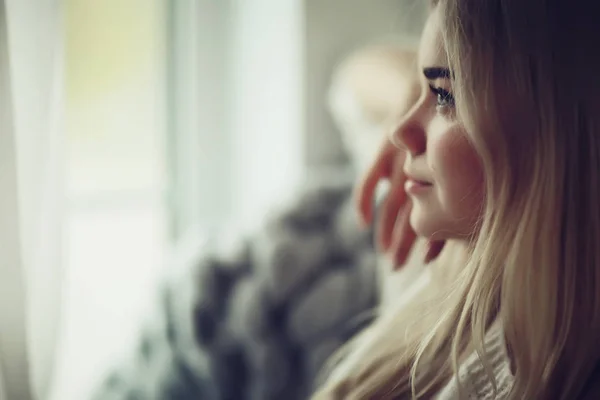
x,y
257,319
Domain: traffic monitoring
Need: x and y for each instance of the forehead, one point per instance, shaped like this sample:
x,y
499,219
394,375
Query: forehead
x,y
431,48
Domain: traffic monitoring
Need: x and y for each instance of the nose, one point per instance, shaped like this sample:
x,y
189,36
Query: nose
x,y
410,133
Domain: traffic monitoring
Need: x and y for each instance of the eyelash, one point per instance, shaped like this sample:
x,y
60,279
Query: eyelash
x,y
443,97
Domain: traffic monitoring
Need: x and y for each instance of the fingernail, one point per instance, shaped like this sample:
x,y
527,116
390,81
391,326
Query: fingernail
x,y
398,264
385,249
399,260
428,257
363,220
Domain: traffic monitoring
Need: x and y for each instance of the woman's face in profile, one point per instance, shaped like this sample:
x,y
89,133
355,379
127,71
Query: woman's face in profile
x,y
445,174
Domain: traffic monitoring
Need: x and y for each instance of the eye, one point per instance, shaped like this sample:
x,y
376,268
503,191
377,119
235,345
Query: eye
x,y
443,97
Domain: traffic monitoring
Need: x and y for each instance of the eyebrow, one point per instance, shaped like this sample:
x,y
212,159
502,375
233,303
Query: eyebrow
x,y
432,73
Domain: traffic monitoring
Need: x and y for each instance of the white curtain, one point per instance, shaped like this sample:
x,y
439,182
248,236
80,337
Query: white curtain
x,y
267,109
30,194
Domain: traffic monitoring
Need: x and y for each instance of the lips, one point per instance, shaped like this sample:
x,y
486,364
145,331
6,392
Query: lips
x,y
419,182
415,187
415,183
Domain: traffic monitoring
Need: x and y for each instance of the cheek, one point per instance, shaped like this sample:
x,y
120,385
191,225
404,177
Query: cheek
x,y
458,173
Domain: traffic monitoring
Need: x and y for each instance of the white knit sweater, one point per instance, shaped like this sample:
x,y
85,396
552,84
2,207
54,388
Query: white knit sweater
x,y
475,382
400,287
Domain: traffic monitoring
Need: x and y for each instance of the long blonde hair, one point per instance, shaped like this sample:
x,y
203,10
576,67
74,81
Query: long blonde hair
x,y
527,88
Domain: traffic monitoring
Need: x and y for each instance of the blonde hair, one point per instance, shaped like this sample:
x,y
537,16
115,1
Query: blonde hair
x,y
526,81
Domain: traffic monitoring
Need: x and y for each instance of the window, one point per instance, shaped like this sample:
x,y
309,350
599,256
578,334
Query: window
x,y
117,221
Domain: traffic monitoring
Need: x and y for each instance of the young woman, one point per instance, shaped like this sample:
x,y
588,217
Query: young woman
x,y
502,163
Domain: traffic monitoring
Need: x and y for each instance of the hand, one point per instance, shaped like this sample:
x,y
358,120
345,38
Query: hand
x,y
394,234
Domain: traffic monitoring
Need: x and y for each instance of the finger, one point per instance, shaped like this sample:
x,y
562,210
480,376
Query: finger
x,y
390,209
404,238
380,169
433,250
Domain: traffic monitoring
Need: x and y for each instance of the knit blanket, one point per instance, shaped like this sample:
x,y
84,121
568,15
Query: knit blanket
x,y
255,316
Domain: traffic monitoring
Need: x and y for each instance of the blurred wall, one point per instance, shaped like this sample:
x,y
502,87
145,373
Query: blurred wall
x,y
333,29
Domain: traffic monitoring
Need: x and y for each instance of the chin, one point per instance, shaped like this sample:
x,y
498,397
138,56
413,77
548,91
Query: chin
x,y
426,225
